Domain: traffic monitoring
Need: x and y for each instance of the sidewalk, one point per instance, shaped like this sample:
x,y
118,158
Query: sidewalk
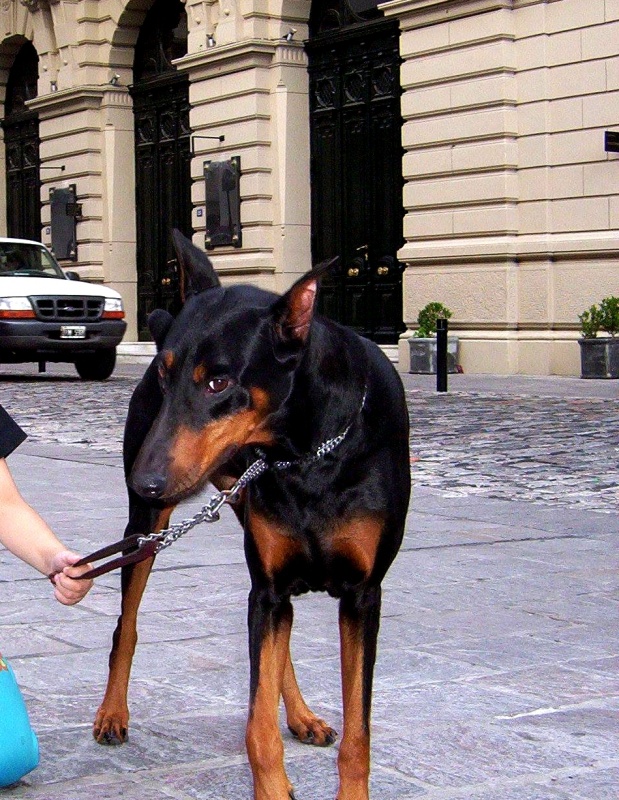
x,y
526,385
498,658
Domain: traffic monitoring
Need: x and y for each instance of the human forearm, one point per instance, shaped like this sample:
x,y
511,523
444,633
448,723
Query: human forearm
x,y
27,535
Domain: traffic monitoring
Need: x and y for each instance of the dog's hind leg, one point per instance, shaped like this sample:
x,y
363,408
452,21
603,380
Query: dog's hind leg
x,y
301,720
359,622
112,719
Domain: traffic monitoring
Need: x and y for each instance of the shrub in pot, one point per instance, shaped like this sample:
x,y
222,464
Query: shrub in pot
x,y
427,317
599,355
423,343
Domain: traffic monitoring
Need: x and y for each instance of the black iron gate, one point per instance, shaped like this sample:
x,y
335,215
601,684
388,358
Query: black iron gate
x,y
162,156
163,192
356,172
21,139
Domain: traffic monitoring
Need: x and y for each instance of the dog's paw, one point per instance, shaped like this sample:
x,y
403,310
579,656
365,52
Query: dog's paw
x,y
113,739
111,728
313,730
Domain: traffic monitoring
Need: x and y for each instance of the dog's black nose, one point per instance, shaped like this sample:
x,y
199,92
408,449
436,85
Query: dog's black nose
x,y
151,486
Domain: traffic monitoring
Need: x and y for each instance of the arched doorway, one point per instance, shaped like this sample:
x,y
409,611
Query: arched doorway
x,y
162,156
21,137
356,163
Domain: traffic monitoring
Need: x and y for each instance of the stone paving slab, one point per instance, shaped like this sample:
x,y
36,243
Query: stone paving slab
x,y
498,656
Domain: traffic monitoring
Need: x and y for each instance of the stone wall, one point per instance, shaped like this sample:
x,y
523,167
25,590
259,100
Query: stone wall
x,y
512,203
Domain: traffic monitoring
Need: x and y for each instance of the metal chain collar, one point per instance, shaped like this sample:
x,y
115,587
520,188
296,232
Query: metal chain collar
x,y
325,447
210,511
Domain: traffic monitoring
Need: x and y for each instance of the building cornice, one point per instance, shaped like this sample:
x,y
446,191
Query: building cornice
x,y
492,250
418,13
228,58
67,101
248,54
82,98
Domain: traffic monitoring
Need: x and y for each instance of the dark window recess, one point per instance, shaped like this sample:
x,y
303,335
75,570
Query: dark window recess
x,y
329,15
68,309
163,37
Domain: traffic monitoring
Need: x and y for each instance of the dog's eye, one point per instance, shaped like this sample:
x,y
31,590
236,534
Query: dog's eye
x,y
217,385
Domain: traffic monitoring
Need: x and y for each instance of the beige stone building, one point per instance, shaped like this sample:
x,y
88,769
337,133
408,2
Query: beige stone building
x,y
512,204
484,183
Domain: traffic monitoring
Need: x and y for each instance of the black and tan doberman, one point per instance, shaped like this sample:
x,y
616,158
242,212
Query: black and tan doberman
x,y
242,373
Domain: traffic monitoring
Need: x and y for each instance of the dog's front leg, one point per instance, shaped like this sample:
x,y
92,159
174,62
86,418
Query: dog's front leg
x,y
269,622
359,622
112,719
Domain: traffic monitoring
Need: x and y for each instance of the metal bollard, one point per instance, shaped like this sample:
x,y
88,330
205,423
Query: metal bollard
x,y
441,355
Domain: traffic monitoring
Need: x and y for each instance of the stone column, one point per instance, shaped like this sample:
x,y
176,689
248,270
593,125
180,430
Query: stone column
x,y
254,93
88,131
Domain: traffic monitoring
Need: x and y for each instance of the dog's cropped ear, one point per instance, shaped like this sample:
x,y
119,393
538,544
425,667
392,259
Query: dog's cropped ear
x,y
159,322
294,311
196,273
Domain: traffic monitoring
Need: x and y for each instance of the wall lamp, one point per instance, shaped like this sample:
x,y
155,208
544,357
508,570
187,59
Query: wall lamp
x,y
195,136
287,37
53,85
115,79
210,40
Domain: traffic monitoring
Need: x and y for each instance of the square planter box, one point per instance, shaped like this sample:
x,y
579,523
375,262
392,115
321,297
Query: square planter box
x,y
599,357
423,355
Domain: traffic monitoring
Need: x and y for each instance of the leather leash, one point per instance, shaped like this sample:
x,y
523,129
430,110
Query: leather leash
x,y
143,546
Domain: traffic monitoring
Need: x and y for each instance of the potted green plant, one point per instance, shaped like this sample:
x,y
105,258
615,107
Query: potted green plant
x,y
599,355
423,342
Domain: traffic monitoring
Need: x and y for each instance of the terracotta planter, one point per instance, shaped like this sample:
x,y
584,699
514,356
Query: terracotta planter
x,y
599,357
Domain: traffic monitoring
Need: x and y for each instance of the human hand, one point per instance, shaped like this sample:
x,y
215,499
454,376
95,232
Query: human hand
x,y
67,590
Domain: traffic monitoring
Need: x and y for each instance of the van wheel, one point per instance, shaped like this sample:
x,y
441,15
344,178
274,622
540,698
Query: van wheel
x,y
98,366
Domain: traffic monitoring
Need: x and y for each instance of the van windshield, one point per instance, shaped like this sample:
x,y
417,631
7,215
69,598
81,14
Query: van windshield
x,y
27,260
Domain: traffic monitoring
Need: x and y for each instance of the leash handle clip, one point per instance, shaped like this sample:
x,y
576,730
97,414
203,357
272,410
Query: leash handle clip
x,y
140,550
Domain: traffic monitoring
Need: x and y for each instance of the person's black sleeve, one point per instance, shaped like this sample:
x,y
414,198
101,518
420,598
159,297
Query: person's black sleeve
x,y
11,435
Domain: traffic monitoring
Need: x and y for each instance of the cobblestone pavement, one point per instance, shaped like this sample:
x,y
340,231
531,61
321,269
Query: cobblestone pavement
x,y
538,448
559,451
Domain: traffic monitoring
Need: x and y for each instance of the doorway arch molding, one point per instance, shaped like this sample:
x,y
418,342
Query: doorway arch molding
x,y
20,26
20,126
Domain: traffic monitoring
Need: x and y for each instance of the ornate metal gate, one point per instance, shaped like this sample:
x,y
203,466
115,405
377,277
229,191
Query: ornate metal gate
x,y
356,166
21,138
162,157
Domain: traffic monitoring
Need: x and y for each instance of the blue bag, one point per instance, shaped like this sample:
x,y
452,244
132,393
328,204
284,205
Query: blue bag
x,y
19,748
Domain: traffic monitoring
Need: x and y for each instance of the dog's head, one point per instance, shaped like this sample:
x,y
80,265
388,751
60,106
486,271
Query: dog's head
x,y
226,366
